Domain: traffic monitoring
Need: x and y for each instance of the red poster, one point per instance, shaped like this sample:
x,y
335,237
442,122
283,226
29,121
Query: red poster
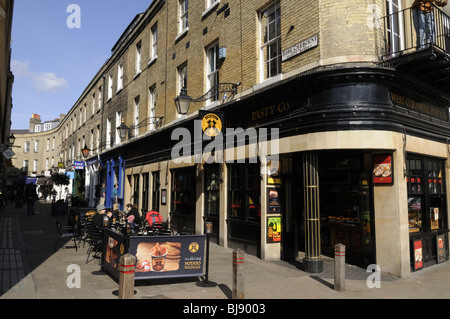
x,y
382,169
418,259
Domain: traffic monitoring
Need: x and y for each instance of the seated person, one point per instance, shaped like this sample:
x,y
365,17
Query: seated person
x,y
133,217
103,217
153,217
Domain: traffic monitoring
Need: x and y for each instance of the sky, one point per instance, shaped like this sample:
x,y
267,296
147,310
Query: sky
x,y
57,49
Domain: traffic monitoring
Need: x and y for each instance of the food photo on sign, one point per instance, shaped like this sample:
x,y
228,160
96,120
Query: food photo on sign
x,y
382,169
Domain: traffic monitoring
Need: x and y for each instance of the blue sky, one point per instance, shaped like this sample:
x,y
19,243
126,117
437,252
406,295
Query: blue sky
x,y
53,63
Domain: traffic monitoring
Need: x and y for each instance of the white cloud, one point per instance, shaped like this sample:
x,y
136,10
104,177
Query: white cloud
x,y
44,81
20,68
49,82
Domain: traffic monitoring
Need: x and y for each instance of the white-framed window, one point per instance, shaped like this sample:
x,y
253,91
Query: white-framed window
x,y
47,162
36,146
118,121
47,127
119,77
100,97
92,143
98,139
25,166
53,161
138,57
26,147
53,143
210,3
270,20
182,77
35,165
48,145
183,16
154,43
110,87
81,117
152,108
108,133
136,116
93,103
212,76
37,128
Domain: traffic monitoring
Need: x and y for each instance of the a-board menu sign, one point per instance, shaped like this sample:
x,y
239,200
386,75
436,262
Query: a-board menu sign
x,y
168,256
156,256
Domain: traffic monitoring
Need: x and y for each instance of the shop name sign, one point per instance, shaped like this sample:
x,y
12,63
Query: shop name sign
x,y
427,109
300,47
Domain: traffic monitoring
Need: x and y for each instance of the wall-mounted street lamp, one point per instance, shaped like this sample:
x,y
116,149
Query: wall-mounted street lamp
x,y
11,139
85,151
183,101
124,130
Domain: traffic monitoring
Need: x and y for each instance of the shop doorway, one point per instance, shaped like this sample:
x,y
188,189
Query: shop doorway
x,y
346,206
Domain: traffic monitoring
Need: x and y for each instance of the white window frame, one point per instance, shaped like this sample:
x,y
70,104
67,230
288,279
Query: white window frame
x,y
26,147
152,108
265,44
25,166
108,133
183,18
110,87
118,122
98,139
35,165
100,97
37,128
93,103
36,146
138,58
154,43
212,71
136,115
119,77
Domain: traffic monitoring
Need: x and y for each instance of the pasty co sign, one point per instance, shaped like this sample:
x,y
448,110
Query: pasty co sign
x,y
300,48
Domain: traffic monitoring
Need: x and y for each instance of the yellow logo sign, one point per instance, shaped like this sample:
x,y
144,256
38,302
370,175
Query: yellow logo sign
x,y
211,125
193,247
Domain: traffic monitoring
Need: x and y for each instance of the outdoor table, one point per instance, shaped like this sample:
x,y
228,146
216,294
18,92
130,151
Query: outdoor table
x,y
156,256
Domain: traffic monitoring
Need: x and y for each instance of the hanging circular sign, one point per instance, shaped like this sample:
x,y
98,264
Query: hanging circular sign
x,y
211,125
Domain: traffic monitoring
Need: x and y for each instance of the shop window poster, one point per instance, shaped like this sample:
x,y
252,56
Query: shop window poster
x,y
273,229
382,169
441,250
274,202
418,255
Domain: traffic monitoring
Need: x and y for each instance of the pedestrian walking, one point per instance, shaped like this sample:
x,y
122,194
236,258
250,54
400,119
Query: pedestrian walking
x,y
31,197
115,197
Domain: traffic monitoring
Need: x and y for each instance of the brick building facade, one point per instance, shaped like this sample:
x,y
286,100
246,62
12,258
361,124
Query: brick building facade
x,y
335,88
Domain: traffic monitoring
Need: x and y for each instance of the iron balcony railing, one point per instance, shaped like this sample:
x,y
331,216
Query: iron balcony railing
x,y
404,33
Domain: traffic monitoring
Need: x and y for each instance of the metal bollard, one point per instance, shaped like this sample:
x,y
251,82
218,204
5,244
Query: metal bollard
x,y
127,268
238,272
339,267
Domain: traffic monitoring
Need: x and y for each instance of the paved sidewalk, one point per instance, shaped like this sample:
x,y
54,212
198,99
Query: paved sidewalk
x,y
30,269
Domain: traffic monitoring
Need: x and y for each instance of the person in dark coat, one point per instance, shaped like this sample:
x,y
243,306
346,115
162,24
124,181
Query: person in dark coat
x,y
31,196
133,216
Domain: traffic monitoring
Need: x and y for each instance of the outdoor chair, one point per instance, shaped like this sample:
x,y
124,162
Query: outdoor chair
x,y
66,232
95,238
